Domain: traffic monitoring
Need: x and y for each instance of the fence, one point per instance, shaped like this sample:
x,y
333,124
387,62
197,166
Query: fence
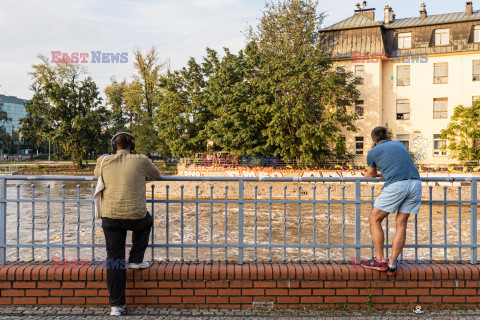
x,y
205,227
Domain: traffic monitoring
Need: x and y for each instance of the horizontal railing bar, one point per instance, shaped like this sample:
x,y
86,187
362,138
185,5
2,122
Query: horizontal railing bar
x,y
233,201
37,200
245,245
230,201
267,179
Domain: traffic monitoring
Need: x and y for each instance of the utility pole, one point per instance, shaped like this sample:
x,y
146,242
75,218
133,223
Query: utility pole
x,y
48,151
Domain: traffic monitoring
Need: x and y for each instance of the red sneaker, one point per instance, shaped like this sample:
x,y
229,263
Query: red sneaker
x,y
374,264
391,271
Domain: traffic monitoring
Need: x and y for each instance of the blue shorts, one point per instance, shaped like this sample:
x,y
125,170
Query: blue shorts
x,y
404,196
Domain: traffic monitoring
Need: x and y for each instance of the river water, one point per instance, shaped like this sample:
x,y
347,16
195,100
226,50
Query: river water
x,y
277,222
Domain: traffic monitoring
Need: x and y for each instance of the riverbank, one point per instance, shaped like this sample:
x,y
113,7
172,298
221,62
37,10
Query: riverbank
x,y
63,168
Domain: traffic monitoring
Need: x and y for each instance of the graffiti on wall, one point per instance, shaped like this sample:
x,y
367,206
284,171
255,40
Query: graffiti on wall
x,y
420,147
235,173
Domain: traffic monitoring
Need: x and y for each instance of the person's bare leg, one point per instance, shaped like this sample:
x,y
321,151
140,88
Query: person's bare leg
x,y
400,236
376,231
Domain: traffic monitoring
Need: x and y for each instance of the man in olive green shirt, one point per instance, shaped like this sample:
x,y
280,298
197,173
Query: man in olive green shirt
x,y
124,207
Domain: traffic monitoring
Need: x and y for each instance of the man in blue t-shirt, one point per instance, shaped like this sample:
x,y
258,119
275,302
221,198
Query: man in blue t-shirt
x,y
402,192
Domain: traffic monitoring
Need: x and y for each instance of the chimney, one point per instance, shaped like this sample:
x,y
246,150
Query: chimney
x,y
389,15
423,12
363,11
469,8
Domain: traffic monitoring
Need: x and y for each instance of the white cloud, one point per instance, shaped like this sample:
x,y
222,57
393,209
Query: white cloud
x,y
178,28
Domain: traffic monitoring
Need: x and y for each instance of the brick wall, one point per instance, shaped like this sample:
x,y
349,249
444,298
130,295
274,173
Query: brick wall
x,y
221,285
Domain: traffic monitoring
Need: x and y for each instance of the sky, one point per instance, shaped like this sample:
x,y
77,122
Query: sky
x,y
179,29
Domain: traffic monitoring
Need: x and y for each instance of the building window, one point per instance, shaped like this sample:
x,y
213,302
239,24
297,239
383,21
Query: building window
x,y
358,145
359,109
403,109
403,75
440,108
476,34
405,139
405,40
341,69
442,37
476,70
359,74
438,145
440,73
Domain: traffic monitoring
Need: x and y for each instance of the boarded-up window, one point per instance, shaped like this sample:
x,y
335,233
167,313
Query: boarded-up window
x,y
405,139
359,109
439,145
442,37
440,73
359,74
403,75
440,108
358,145
405,40
476,70
403,109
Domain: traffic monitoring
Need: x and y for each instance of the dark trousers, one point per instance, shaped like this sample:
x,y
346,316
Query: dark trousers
x,y
115,231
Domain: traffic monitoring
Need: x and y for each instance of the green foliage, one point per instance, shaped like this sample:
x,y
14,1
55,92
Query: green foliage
x,y
463,133
277,96
306,105
236,98
65,109
134,105
183,113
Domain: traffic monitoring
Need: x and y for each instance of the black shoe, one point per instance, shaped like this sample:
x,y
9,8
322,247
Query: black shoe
x,y
391,271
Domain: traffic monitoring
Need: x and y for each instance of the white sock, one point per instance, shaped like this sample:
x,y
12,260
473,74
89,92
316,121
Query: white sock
x,y
394,264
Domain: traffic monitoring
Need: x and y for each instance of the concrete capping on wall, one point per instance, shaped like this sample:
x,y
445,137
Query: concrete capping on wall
x,y
229,285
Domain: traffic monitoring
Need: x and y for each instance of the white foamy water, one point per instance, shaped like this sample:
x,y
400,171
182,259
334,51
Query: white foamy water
x,y
208,221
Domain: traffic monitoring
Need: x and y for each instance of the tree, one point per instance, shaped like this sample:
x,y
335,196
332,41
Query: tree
x,y
306,104
463,133
66,110
120,117
135,104
184,112
235,99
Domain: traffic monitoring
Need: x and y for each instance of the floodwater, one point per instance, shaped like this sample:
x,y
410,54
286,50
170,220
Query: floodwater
x,y
216,224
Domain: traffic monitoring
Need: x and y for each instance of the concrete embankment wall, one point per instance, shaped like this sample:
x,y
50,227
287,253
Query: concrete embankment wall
x,y
229,285
290,190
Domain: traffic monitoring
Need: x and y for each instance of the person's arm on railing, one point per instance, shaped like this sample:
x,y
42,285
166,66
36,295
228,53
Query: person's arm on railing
x,y
96,172
152,172
372,172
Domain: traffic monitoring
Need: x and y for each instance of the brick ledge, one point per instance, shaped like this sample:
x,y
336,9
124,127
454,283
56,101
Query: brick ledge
x,y
71,271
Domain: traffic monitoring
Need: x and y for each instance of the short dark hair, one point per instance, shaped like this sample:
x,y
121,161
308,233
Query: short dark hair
x,y
123,141
379,134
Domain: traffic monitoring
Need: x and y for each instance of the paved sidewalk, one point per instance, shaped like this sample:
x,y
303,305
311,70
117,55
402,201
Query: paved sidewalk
x,y
162,313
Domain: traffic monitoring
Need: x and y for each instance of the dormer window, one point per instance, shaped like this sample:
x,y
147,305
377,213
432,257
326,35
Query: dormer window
x,y
405,40
476,33
442,37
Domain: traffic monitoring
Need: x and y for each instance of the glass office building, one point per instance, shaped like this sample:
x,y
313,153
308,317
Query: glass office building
x,y
15,108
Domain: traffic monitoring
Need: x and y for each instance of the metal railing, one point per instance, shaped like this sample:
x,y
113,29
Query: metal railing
x,y
208,225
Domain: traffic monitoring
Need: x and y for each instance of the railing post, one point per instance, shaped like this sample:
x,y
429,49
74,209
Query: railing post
x,y
473,221
240,221
3,221
358,221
